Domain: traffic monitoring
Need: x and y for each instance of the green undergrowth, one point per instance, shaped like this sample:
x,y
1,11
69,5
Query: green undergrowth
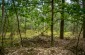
x,y
30,34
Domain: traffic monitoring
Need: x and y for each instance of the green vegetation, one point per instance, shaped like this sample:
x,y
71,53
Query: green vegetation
x,y
27,23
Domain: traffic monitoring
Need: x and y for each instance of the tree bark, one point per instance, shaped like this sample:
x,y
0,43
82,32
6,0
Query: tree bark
x,y
62,21
18,23
2,29
25,26
2,22
52,5
83,18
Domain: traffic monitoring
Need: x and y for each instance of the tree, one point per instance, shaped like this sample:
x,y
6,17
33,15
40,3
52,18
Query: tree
x,y
2,27
18,23
3,14
62,21
83,3
52,5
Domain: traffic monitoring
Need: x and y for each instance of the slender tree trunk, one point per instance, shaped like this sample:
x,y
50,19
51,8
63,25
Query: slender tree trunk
x,y
25,26
62,21
83,19
11,34
78,40
77,22
2,29
11,38
52,5
18,23
2,22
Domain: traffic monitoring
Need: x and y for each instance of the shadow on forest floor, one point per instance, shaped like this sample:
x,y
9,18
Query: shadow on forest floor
x,y
40,45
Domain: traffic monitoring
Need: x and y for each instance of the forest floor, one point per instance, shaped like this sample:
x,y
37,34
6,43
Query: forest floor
x,y
40,45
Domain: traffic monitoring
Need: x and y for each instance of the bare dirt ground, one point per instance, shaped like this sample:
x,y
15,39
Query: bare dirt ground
x,y
40,45
41,51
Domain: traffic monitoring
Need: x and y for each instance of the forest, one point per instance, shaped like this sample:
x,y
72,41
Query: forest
x,y
42,27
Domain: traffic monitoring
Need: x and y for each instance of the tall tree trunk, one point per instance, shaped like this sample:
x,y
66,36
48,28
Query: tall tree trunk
x,y
62,21
2,29
77,23
83,18
52,5
18,23
11,38
3,22
11,34
25,26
